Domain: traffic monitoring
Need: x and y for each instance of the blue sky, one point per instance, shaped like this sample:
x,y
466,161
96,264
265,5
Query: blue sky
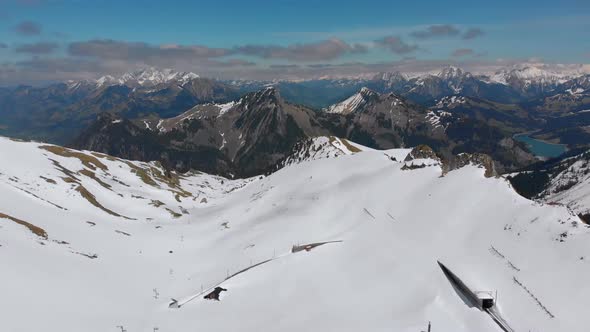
x,y
252,36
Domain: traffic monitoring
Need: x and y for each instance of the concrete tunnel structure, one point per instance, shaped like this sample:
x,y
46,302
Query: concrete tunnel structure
x,y
480,299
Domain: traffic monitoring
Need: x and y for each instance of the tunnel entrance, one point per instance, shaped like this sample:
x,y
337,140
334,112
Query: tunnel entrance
x,y
487,303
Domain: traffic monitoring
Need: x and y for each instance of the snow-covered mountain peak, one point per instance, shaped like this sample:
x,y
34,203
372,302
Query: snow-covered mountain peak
x,y
534,72
354,102
452,72
75,85
147,77
106,80
528,75
367,92
269,93
321,147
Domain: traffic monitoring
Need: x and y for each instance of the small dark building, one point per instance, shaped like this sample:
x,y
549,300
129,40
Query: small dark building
x,y
214,295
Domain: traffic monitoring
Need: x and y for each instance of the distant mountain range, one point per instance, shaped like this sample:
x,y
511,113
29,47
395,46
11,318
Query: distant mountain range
x,y
57,113
248,127
527,85
149,77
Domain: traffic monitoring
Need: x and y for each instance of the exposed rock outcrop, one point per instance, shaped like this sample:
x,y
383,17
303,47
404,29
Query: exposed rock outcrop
x,y
422,152
478,159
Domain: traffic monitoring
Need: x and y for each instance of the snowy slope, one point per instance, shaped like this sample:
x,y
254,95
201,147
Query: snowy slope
x,y
323,147
394,224
571,186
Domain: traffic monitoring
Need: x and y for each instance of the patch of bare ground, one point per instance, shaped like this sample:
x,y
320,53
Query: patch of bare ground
x,y
173,213
68,174
104,156
156,203
40,232
70,177
172,179
142,174
87,160
68,180
92,200
150,174
349,146
48,180
92,175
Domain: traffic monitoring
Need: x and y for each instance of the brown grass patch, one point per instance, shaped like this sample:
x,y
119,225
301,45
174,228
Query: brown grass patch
x,y
142,174
40,232
65,171
349,146
48,180
92,200
156,203
104,156
91,175
69,180
181,193
148,174
174,214
87,160
170,178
